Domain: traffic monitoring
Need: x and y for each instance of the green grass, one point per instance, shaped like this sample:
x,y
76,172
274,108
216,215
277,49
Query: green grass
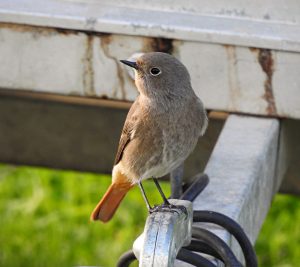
x,y
278,244
44,221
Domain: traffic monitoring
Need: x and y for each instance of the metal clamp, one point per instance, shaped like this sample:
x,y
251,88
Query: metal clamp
x,y
166,231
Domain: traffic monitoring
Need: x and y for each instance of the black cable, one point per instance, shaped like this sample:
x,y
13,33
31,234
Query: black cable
x,y
193,258
200,182
232,227
126,259
184,255
218,245
200,246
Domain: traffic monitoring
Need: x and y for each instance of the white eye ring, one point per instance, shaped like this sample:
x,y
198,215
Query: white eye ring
x,y
155,71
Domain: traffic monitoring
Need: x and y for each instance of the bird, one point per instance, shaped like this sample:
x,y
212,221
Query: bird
x,y
161,129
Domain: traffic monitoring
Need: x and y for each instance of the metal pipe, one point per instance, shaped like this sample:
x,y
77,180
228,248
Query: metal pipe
x,y
176,182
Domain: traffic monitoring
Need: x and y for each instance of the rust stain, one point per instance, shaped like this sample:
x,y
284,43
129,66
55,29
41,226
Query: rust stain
x,y
159,45
253,49
88,74
266,62
105,40
233,79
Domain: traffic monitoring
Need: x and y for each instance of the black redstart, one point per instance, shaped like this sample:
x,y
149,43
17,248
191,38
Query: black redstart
x,y
161,129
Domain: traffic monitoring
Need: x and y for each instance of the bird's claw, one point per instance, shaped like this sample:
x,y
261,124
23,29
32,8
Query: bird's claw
x,y
167,208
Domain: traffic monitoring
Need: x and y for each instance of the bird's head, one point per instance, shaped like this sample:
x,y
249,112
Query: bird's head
x,y
160,75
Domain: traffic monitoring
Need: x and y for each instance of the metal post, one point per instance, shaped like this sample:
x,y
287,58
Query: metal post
x,y
176,182
166,231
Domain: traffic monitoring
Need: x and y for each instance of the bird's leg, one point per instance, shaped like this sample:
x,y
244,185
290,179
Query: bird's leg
x,y
166,202
144,195
167,206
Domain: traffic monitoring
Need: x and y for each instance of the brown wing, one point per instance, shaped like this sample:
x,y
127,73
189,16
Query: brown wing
x,y
127,130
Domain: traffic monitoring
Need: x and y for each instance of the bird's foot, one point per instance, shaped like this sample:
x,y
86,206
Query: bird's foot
x,y
167,208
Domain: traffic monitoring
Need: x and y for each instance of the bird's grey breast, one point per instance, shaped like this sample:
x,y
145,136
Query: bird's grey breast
x,y
181,128
168,137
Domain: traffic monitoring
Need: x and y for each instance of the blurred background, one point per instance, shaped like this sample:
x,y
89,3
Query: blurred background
x,y
45,221
64,98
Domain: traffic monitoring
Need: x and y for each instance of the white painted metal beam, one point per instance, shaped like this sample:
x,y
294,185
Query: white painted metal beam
x,y
241,56
228,78
242,172
272,24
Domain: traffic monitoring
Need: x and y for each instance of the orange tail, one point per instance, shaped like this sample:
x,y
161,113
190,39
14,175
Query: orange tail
x,y
111,200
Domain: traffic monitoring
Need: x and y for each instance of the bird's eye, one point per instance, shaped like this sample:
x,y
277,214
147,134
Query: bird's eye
x,y
155,71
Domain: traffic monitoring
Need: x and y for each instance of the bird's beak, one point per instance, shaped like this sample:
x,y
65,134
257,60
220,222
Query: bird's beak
x,y
130,64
